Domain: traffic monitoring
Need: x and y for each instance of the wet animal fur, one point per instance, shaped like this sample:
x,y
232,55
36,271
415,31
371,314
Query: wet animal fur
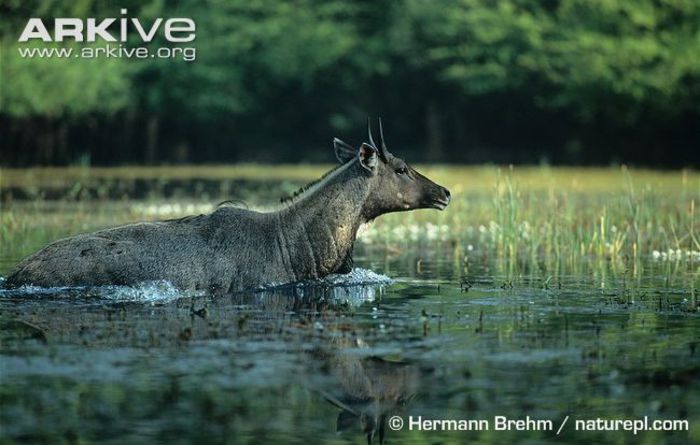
x,y
234,248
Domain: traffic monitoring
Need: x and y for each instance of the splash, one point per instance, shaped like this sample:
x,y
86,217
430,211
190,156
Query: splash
x,y
357,277
152,292
355,288
358,286
149,292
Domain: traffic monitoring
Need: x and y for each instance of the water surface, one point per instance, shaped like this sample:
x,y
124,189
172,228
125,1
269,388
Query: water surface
x,y
331,361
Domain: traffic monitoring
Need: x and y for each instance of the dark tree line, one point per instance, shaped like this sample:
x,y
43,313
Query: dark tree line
x,y
522,81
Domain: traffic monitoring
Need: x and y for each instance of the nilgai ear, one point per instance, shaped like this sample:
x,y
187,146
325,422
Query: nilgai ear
x,y
368,157
343,151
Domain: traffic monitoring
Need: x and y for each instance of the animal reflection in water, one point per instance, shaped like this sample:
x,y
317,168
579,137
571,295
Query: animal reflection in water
x,y
371,390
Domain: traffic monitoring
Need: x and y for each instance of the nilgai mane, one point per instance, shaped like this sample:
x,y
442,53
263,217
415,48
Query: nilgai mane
x,y
232,248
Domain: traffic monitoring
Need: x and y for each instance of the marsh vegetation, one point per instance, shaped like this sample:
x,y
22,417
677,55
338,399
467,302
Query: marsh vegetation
x,y
536,221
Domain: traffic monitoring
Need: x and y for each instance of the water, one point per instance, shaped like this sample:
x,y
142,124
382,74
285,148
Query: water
x,y
331,361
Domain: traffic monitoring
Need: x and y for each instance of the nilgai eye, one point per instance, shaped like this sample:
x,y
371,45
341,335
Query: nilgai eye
x,y
402,171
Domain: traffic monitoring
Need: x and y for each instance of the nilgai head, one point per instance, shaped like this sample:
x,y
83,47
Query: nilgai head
x,y
394,185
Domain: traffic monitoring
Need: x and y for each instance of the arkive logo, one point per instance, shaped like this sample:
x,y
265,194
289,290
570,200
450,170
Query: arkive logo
x,y
175,30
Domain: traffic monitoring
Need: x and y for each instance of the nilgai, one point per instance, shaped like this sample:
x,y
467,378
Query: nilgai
x,y
230,249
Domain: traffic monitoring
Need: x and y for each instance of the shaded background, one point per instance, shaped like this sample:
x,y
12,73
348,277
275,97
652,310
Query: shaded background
x,y
517,81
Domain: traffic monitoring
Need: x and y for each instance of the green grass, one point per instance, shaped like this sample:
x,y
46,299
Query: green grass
x,y
551,220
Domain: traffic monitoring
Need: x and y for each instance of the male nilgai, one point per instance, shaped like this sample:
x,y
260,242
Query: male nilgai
x,y
233,248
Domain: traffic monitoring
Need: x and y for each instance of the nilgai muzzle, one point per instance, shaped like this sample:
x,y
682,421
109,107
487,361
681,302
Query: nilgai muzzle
x,y
309,236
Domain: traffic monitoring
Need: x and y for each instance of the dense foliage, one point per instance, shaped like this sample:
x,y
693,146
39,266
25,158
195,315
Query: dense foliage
x,y
575,81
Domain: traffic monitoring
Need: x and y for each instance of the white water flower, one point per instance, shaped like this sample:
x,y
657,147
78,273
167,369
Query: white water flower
x,y
399,232
524,229
170,209
431,231
414,231
676,255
